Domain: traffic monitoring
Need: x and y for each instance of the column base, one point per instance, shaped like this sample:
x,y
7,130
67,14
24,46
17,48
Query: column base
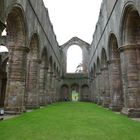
x,y
106,102
32,107
106,105
131,112
115,108
14,111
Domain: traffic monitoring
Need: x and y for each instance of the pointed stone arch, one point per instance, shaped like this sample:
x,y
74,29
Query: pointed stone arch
x,y
116,93
85,51
105,91
16,44
130,59
65,93
33,61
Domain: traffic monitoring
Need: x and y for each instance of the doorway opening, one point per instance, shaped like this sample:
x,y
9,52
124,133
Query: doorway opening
x,y
75,96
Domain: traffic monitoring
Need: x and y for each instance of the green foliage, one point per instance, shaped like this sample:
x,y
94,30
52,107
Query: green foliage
x,y
75,96
70,121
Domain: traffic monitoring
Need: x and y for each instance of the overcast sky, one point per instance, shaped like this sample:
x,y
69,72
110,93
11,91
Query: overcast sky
x,y
73,18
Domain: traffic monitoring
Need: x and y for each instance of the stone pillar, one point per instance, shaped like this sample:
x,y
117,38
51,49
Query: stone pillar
x,y
102,87
92,87
48,86
98,84
42,82
106,89
57,88
96,90
15,91
53,87
32,84
131,81
116,93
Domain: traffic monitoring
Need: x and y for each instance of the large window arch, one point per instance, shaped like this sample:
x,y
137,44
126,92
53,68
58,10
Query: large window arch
x,y
74,59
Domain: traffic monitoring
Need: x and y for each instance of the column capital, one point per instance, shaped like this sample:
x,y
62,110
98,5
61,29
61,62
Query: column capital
x,y
129,47
35,60
98,73
104,68
21,48
113,61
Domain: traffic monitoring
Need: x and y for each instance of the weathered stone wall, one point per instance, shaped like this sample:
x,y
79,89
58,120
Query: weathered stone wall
x,y
85,47
78,82
31,77
117,37
34,71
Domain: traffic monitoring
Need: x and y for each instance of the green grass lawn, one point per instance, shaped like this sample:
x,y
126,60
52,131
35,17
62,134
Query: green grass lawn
x,y
70,121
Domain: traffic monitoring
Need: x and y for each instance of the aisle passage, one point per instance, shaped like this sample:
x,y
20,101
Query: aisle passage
x,y
70,121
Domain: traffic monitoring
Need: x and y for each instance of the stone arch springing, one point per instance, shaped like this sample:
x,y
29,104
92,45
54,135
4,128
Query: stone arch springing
x,y
130,59
130,26
16,43
116,93
33,61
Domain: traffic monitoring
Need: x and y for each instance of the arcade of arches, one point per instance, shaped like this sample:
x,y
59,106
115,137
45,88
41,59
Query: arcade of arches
x,y
33,70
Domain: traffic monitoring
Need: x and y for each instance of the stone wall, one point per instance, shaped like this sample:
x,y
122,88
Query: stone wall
x,y
114,58
33,73
34,64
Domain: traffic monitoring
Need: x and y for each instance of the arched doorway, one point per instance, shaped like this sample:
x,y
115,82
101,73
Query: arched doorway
x,y
116,93
16,75
65,94
105,91
32,96
130,60
85,93
75,92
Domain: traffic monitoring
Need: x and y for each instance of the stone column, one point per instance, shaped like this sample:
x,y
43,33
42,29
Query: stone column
x,y
42,93
54,87
131,81
116,94
102,87
106,89
98,84
15,91
48,86
32,84
57,88
95,89
92,87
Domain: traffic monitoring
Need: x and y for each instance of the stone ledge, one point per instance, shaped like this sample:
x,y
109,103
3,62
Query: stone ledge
x,y
131,112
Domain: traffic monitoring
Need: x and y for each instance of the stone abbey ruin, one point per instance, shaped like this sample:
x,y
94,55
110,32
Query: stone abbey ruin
x,y
33,70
